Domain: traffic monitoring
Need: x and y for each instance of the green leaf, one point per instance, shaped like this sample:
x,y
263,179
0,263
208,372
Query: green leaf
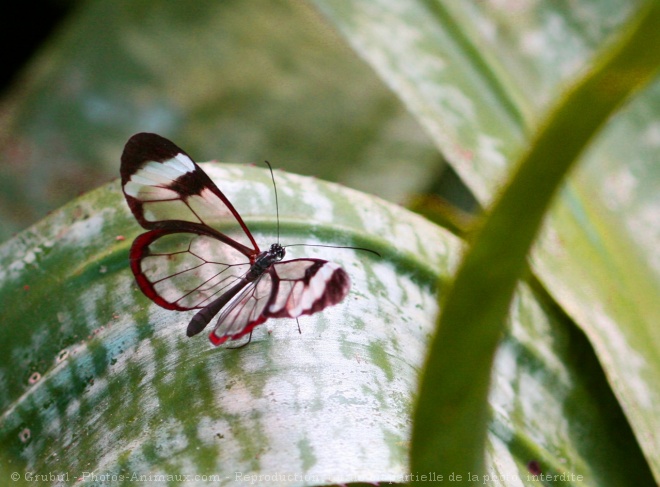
x,y
96,378
122,391
451,420
476,74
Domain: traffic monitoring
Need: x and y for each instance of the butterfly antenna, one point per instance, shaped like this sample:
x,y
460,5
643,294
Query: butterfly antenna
x,y
335,247
277,206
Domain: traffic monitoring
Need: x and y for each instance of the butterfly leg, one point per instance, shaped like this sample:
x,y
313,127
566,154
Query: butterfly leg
x,y
299,332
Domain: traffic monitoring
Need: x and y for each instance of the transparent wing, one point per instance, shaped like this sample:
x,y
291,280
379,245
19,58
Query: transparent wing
x,y
306,286
165,188
183,270
285,290
184,261
244,312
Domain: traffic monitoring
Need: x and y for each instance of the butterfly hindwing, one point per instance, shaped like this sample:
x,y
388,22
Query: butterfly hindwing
x,y
183,270
244,312
286,290
305,286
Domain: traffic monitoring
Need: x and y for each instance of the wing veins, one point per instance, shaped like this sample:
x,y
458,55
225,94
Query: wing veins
x,y
237,278
170,276
201,284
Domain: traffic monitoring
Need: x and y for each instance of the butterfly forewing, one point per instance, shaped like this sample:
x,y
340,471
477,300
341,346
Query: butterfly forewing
x,y
165,188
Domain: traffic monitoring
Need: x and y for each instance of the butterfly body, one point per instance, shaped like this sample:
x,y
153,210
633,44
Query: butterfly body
x,y
266,259
187,260
262,263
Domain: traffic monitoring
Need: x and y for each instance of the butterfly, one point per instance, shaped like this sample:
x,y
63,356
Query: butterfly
x,y
198,254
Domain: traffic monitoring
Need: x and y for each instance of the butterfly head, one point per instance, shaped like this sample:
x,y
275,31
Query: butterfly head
x,y
277,252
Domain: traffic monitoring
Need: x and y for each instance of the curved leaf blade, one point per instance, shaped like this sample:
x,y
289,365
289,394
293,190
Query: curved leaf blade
x,y
123,392
105,381
450,419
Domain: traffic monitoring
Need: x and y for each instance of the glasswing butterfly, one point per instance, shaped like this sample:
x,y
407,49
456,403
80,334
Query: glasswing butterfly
x,y
198,254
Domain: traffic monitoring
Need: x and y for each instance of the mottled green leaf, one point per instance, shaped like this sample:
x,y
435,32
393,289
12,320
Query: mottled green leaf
x,y
122,391
478,75
96,378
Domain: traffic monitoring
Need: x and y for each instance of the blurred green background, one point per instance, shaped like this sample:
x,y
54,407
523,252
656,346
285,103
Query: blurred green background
x,y
232,81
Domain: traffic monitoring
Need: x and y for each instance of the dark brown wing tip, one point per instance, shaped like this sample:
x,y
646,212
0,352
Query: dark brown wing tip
x,y
145,146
